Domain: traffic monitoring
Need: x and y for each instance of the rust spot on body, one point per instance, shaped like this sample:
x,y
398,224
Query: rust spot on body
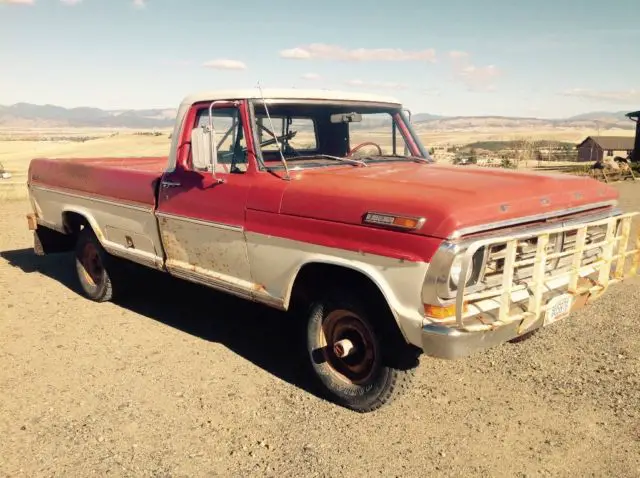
x,y
259,288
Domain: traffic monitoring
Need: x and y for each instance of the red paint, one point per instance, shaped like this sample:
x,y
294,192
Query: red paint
x,y
350,237
413,147
450,197
199,197
325,206
130,180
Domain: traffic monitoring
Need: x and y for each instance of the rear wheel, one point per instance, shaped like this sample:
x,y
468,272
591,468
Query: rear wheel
x,y
93,267
351,354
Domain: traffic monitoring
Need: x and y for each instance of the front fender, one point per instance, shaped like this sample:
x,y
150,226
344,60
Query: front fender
x,y
399,282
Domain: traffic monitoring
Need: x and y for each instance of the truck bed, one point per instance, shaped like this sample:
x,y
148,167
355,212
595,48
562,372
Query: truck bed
x,y
130,180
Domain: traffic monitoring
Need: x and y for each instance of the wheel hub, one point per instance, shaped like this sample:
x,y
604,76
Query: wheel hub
x,y
343,348
351,349
91,264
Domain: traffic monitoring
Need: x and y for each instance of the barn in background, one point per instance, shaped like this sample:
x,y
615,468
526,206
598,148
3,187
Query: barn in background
x,y
635,116
597,148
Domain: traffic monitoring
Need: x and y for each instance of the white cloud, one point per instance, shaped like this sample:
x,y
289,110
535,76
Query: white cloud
x,y
70,2
225,64
310,76
476,78
479,74
18,2
139,3
458,54
323,51
611,96
296,53
381,85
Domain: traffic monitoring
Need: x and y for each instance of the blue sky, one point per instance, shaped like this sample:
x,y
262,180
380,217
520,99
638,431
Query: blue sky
x,y
546,58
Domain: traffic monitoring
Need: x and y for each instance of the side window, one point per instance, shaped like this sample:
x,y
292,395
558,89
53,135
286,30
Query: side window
x,y
229,137
297,133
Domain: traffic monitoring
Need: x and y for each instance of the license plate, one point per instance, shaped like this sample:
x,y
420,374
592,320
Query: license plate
x,y
558,308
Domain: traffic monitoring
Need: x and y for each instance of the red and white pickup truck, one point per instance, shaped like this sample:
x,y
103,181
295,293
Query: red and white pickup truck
x,y
328,204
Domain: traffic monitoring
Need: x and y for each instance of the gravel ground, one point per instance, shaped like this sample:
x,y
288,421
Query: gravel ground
x,y
153,387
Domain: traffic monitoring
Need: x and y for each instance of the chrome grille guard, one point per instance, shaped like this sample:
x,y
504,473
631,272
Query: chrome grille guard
x,y
536,284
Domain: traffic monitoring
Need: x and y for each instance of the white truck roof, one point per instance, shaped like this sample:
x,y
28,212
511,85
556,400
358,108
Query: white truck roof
x,y
286,93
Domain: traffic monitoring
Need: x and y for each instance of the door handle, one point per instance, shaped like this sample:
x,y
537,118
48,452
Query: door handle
x,y
170,184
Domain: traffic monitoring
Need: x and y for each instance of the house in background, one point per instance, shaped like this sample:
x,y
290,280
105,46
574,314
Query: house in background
x,y
635,116
597,148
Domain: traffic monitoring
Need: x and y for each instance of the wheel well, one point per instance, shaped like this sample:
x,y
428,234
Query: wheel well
x,y
314,279
73,222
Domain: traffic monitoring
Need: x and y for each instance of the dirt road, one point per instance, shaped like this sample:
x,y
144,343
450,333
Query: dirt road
x,y
159,386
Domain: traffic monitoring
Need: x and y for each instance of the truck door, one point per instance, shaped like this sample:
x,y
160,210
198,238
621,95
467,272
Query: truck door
x,y
201,220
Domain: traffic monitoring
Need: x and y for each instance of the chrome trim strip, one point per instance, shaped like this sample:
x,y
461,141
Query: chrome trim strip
x,y
540,228
521,220
224,286
134,255
200,222
124,203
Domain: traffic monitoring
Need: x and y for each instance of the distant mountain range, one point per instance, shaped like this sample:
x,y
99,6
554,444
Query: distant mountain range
x,y
26,115
29,115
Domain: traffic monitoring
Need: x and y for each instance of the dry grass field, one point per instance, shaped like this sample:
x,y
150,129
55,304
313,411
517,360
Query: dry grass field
x,y
17,147
466,136
16,150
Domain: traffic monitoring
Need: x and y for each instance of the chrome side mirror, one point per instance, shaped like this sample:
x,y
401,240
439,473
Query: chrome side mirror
x,y
201,149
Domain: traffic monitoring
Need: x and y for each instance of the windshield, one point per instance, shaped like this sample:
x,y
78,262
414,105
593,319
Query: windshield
x,y
320,133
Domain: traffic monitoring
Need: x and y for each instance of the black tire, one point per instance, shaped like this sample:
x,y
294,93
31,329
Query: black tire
x,y
93,267
373,373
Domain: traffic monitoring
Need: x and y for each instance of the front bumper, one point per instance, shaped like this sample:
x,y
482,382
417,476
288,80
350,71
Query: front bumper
x,y
511,310
451,343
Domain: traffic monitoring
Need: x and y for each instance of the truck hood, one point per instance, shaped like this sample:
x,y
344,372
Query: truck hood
x,y
449,197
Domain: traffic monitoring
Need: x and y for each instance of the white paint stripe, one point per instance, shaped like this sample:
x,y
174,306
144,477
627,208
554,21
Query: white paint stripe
x,y
200,222
122,203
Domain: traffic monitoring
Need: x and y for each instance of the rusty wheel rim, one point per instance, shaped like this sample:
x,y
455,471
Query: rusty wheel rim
x,y
91,264
345,327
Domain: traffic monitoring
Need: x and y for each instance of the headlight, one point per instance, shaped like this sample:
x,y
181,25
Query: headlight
x,y
472,273
456,270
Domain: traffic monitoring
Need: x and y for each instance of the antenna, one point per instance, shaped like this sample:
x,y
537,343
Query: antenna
x,y
275,137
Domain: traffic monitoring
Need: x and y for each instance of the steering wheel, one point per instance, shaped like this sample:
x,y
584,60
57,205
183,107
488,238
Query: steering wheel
x,y
366,143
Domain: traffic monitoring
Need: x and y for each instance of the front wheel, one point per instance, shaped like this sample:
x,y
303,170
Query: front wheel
x,y
350,355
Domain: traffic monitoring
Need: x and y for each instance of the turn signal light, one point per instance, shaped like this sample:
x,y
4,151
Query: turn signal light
x,y
403,222
406,222
442,312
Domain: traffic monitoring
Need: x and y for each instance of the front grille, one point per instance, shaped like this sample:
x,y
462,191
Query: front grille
x,y
526,252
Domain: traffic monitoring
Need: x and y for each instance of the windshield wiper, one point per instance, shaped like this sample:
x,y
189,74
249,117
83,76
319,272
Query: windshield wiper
x,y
328,156
417,159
